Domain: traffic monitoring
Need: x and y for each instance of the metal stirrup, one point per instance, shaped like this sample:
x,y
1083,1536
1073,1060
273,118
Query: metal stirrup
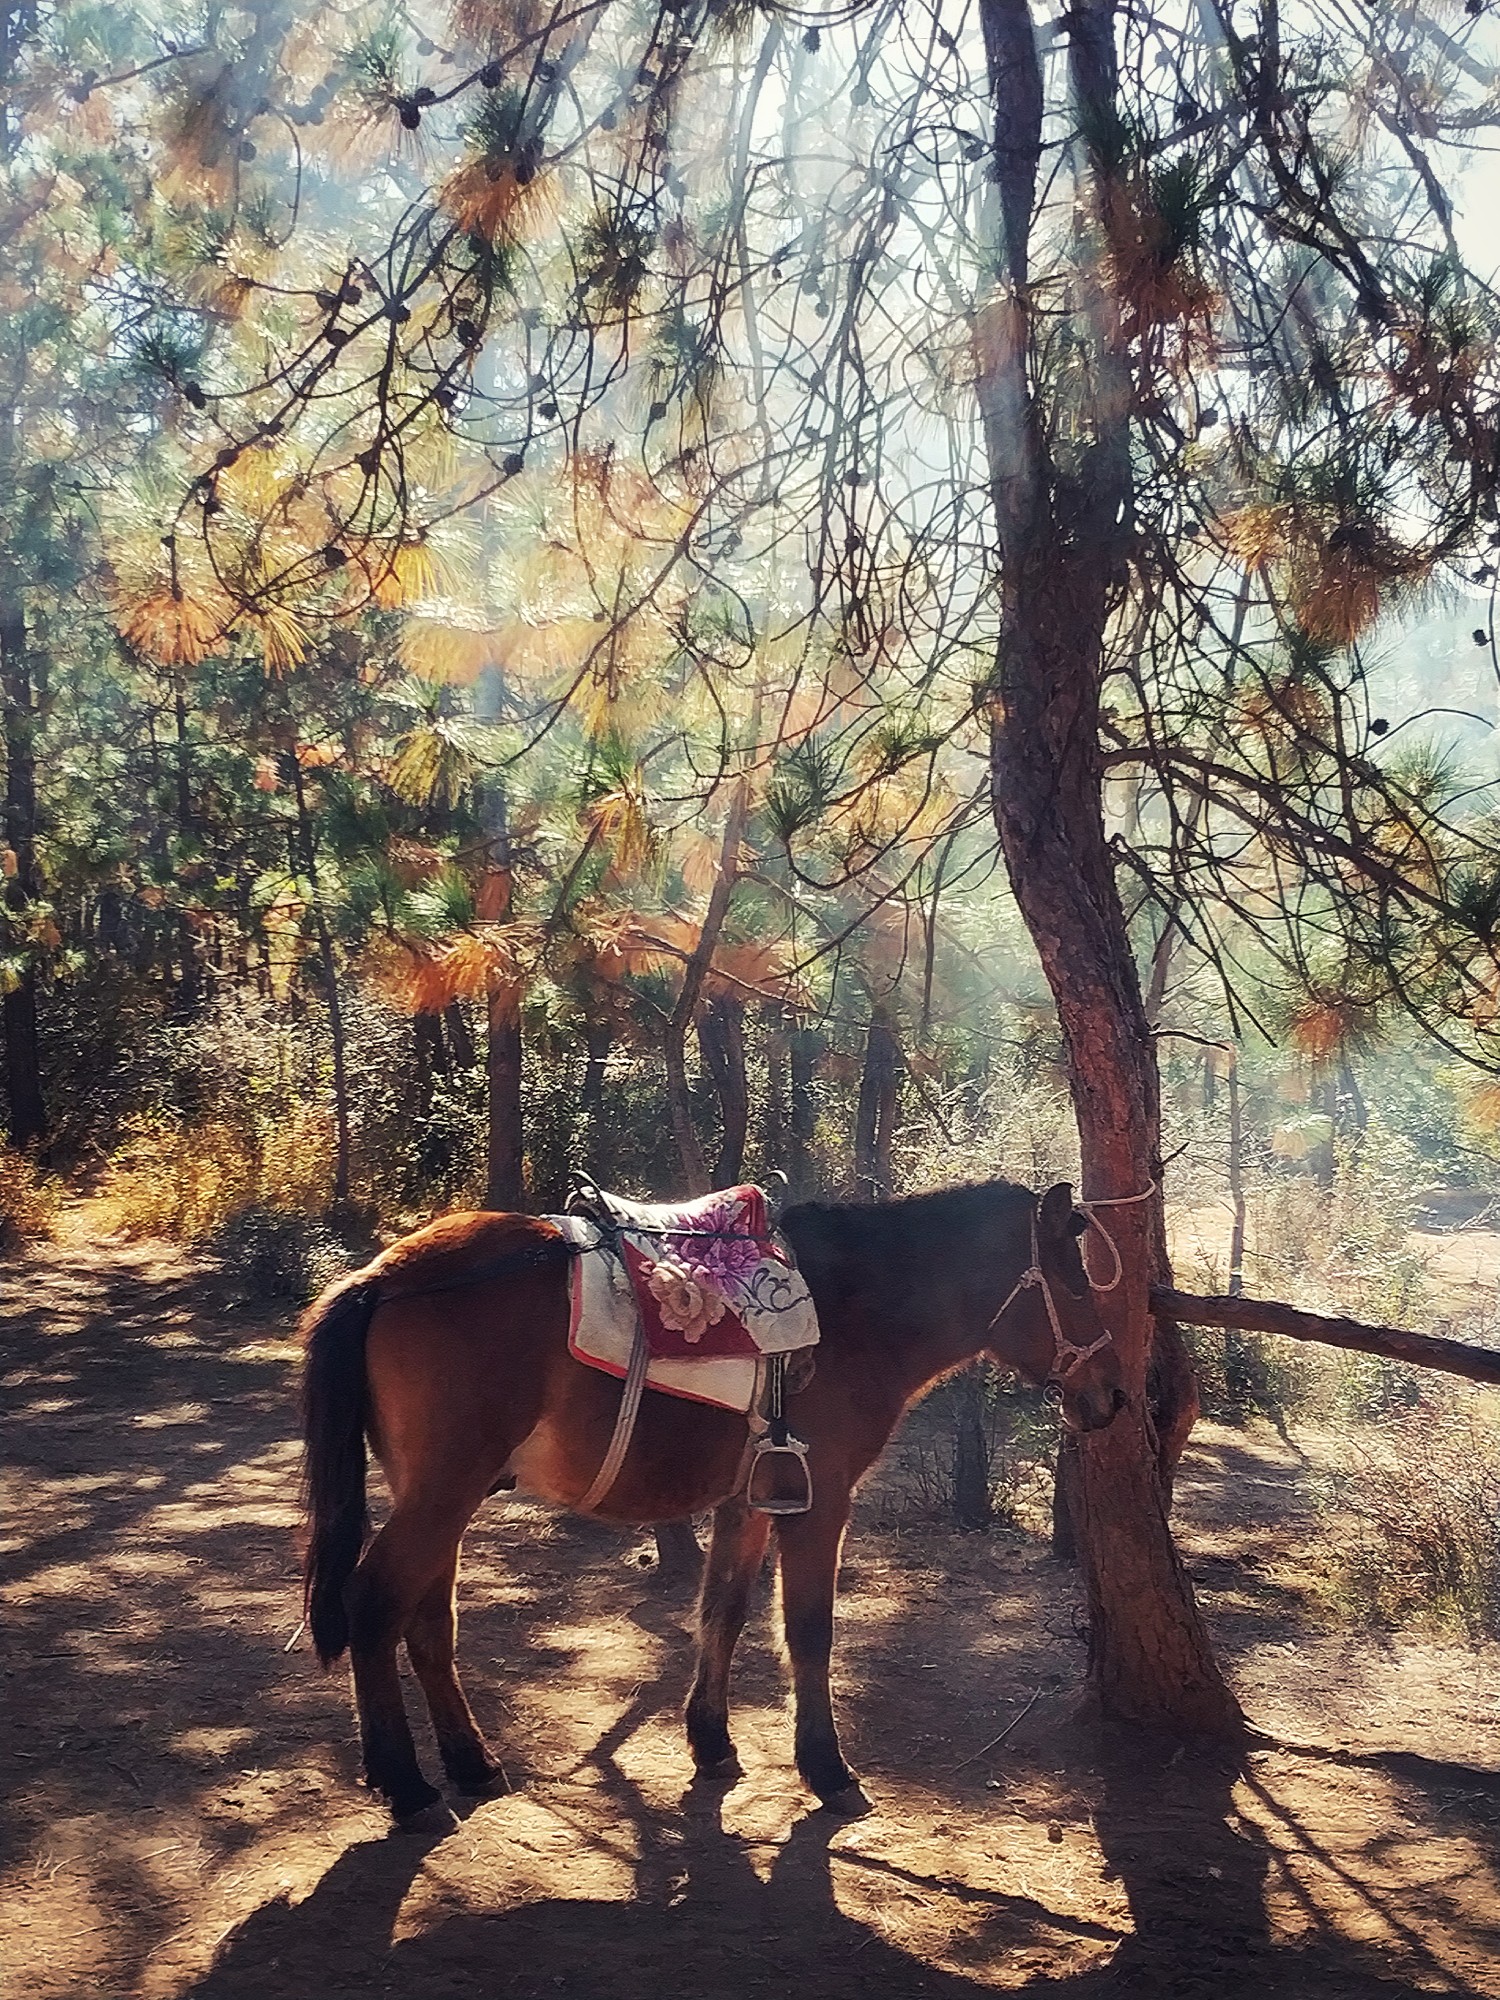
x,y
778,1443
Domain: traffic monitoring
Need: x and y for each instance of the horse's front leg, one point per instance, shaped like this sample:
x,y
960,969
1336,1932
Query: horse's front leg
x,y
809,1576
736,1550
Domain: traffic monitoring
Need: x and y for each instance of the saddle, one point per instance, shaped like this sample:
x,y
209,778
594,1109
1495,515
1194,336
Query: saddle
x,y
701,1300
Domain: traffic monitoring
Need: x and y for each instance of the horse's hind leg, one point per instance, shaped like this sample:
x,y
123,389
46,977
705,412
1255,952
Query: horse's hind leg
x,y
736,1551
416,1547
431,1639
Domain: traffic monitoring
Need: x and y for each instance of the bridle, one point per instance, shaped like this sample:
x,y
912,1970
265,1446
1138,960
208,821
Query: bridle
x,y
1068,1355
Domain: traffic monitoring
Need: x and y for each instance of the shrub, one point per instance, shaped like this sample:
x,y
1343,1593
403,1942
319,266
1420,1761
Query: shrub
x,y
1019,1126
29,1198
1420,1495
270,1253
1342,1248
984,1414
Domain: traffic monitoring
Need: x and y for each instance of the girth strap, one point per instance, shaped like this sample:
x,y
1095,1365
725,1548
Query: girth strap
x,y
630,1404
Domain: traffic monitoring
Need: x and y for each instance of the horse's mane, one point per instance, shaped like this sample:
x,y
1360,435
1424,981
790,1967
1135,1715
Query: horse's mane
x,y
913,1227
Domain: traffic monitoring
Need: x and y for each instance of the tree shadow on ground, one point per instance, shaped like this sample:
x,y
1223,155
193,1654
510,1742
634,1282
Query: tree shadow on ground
x,y
704,1920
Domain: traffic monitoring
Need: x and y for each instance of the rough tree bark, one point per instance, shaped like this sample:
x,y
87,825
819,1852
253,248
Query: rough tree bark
x,y
1064,532
23,1072
1416,1350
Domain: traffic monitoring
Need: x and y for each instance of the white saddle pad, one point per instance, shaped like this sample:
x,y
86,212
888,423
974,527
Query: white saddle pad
x,y
602,1323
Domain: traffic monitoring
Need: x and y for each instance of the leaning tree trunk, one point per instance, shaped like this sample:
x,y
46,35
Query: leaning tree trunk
x,y
23,1070
1149,1652
1063,542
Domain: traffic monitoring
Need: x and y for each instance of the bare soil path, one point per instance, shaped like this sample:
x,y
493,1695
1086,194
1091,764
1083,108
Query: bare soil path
x,y
182,1819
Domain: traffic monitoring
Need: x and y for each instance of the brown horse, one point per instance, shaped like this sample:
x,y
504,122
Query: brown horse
x,y
450,1354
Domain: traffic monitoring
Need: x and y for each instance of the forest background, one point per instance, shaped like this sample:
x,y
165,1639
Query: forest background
x,y
499,600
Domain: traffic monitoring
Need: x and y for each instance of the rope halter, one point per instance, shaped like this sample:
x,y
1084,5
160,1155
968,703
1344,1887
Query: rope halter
x,y
1069,1355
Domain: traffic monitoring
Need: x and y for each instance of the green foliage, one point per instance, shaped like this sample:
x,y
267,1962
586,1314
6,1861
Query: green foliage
x,y
271,1254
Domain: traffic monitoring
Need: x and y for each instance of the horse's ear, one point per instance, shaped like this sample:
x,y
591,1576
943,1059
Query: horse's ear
x,y
1056,1211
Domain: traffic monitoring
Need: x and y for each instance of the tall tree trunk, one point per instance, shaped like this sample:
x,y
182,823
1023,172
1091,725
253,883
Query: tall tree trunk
x,y
774,1109
1236,1178
1063,542
721,1041
802,1121
189,967
505,1187
460,1041
598,1040
505,1155
695,1175
875,1115
434,1148
23,1069
328,964
1322,1157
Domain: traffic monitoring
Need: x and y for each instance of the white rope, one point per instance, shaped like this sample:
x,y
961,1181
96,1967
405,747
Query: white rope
x,y
1109,1201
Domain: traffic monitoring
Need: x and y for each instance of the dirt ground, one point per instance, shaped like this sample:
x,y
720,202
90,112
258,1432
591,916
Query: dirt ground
x,y
183,1820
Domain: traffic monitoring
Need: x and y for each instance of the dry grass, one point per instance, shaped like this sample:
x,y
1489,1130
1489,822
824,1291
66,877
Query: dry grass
x,y
29,1198
186,1181
1417,1497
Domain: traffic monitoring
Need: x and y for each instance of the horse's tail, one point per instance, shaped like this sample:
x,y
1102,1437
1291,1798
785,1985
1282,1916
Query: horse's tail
x,y
333,1454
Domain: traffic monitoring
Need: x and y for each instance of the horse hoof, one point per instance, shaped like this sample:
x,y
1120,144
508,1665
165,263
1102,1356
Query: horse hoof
x,y
722,1771
483,1784
850,1803
428,1821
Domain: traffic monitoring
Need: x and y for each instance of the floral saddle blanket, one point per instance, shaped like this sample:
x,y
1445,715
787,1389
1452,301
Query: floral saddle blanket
x,y
709,1283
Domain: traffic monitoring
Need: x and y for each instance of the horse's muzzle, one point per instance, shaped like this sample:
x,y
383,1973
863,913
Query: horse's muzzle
x,y
1093,1409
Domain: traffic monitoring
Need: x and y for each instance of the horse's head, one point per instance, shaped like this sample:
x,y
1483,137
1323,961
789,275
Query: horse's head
x,y
1049,1327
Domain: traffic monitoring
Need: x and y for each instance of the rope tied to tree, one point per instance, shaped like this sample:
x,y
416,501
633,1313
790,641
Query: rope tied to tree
x,y
1109,1201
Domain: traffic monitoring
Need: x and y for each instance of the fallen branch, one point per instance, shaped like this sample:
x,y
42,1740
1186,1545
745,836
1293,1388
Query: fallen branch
x,y
995,1741
1420,1350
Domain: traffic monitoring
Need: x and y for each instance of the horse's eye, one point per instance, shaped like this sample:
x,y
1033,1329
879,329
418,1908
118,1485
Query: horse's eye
x,y
1052,1395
